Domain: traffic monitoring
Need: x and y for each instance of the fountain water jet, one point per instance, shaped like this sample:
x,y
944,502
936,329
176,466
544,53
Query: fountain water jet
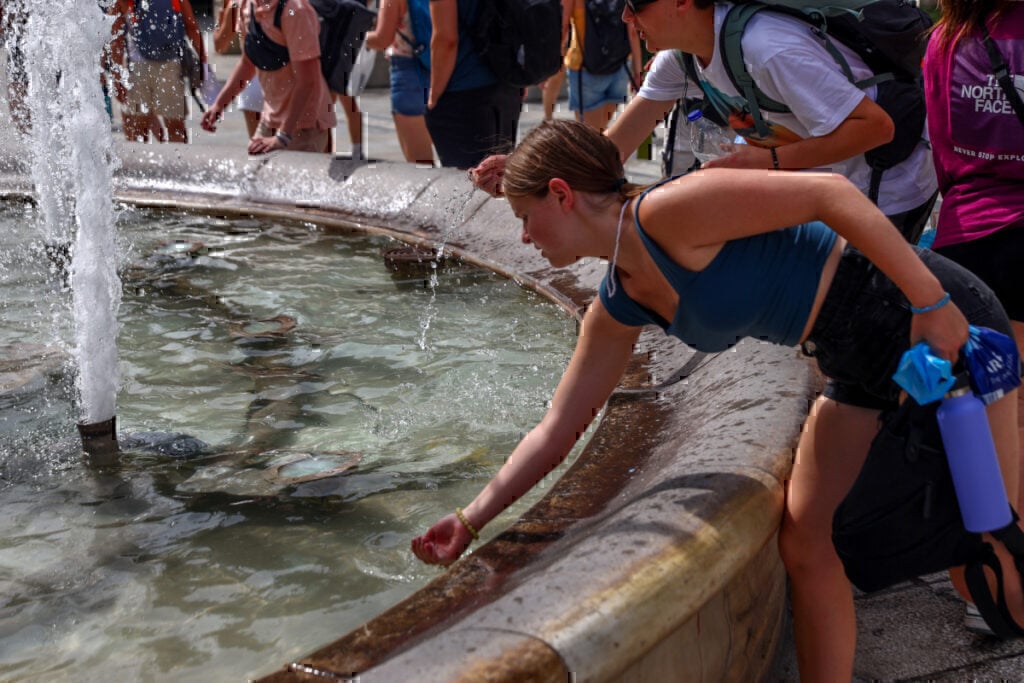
x,y
72,173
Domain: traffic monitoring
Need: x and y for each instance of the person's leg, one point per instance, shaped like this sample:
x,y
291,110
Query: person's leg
x,y
252,119
354,120
549,91
250,101
135,126
414,139
17,92
167,99
600,117
176,130
831,451
409,88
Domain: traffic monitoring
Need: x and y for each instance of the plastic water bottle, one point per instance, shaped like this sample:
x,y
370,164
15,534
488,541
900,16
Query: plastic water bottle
x,y
972,460
707,139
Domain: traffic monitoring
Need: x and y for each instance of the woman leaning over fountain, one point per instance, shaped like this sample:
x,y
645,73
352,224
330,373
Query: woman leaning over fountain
x,y
776,256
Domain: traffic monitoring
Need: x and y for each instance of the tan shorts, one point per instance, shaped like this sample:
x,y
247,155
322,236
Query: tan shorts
x,y
303,140
157,88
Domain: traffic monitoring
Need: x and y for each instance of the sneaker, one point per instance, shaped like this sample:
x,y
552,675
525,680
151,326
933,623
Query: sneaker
x,y
974,622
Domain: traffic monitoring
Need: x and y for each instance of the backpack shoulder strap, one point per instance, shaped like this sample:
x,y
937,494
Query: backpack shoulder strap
x,y
278,12
686,61
1002,72
731,48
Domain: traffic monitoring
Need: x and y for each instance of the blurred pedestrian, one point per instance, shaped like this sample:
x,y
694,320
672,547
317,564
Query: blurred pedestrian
x,y
13,17
283,47
148,39
470,113
410,79
603,56
227,40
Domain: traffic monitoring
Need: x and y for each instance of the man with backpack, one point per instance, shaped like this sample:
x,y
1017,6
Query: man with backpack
x,y
148,40
603,56
828,120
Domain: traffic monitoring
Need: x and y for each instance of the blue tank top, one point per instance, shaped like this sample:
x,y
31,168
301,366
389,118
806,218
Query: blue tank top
x,y
761,286
470,70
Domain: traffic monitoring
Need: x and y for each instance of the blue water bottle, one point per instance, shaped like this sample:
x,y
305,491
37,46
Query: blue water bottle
x,y
972,459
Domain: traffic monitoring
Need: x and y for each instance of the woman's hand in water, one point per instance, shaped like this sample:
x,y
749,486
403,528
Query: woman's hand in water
x,y
443,542
489,173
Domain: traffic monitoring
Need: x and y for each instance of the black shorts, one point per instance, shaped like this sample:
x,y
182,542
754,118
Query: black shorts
x,y
469,125
863,327
998,259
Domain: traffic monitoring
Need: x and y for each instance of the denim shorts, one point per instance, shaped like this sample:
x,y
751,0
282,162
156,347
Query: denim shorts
x,y
410,85
863,327
597,90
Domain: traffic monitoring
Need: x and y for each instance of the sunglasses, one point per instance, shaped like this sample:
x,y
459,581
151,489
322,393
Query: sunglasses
x,y
635,6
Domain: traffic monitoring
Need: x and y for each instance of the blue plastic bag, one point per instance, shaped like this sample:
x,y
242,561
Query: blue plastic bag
x,y
924,376
993,365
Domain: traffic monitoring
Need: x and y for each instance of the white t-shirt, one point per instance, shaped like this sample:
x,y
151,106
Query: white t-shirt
x,y
666,81
790,65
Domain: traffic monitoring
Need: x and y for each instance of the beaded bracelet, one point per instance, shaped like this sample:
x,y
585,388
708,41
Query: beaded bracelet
x,y
775,158
465,523
927,309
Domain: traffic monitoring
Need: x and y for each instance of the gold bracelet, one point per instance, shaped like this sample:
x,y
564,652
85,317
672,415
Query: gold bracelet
x,y
465,523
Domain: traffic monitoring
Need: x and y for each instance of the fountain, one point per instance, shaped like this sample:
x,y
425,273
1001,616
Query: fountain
x,y
71,169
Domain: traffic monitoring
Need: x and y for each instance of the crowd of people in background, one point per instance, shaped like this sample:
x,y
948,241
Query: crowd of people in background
x,y
448,104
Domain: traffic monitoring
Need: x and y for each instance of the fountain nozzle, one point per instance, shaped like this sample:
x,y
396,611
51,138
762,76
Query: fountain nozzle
x,y
99,441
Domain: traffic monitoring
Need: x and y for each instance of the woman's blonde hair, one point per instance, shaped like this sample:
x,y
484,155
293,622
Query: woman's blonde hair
x,y
578,154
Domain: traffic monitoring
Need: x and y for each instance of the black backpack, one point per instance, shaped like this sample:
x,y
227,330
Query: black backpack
x,y
901,518
605,38
343,27
520,40
889,35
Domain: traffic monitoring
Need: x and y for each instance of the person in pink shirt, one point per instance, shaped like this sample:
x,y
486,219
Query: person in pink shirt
x,y
282,45
978,145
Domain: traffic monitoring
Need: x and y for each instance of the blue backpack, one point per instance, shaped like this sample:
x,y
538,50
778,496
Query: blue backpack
x,y
159,28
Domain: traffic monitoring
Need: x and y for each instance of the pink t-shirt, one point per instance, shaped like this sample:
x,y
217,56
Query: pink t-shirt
x,y
977,140
300,31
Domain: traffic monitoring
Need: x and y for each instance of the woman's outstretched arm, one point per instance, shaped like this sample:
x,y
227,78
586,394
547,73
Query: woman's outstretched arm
x,y
603,349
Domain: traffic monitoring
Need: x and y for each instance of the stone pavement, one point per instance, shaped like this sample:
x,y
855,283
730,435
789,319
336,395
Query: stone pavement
x,y
912,632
